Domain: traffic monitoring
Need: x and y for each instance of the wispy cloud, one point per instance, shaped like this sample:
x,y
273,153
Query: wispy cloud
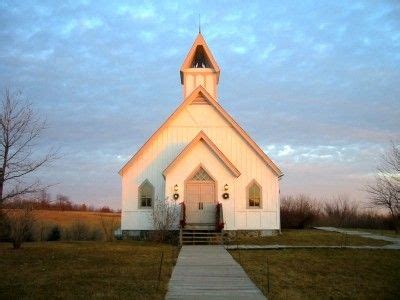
x,y
138,12
316,85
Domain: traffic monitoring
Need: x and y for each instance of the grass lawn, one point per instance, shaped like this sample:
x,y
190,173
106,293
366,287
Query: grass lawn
x,y
324,273
308,237
121,269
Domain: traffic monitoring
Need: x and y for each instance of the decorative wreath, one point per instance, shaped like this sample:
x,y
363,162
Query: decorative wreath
x,y
225,195
176,196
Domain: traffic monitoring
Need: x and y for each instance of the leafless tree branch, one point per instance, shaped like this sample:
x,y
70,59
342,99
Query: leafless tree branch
x,y
20,131
164,216
385,192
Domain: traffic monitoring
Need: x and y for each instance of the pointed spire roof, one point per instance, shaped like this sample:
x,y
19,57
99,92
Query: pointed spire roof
x,y
199,47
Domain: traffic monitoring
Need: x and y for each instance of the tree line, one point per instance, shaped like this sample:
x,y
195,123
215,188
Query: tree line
x,y
61,203
20,132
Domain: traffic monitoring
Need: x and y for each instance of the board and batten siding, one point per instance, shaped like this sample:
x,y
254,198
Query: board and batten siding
x,y
200,76
171,140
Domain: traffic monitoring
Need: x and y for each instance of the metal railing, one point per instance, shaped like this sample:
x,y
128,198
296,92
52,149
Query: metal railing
x,y
219,222
182,219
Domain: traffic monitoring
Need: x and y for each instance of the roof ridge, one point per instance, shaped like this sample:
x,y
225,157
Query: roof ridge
x,y
201,136
225,115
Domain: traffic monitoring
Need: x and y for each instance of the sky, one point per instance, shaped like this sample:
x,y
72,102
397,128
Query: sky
x,y
315,83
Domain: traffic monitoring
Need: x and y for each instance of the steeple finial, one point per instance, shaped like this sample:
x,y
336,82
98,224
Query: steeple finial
x,y
199,23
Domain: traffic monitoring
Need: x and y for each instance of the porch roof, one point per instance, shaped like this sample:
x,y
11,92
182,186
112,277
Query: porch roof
x,y
202,137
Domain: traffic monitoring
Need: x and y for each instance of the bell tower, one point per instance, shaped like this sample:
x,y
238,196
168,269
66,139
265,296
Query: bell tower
x,y
199,68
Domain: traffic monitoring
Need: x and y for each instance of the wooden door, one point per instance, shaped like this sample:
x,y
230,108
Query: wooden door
x,y
207,195
200,198
192,201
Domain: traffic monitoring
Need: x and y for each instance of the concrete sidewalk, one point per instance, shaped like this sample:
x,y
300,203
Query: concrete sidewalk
x,y
280,247
364,234
394,246
210,272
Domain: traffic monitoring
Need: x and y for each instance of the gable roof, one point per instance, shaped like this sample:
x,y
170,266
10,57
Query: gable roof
x,y
199,42
202,137
201,90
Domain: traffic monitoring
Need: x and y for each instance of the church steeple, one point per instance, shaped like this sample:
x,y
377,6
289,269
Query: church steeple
x,y
199,68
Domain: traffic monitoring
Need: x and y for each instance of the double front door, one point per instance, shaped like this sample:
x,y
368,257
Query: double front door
x,y
200,199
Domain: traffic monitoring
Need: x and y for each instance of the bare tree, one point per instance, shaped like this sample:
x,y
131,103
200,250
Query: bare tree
x,y
298,211
20,129
385,193
165,215
44,197
63,202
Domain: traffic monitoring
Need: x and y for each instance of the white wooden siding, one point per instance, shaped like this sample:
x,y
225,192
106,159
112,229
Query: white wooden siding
x,y
169,143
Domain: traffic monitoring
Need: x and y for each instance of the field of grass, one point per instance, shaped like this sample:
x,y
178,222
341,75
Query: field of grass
x,y
130,269
66,218
122,269
308,237
323,273
74,225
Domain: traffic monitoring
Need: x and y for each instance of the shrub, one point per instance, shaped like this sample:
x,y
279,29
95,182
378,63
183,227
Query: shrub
x,y
341,212
96,234
78,231
20,223
298,212
54,234
4,227
42,231
165,217
109,224
301,211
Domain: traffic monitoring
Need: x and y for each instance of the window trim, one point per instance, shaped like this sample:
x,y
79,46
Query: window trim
x,y
248,195
200,166
146,181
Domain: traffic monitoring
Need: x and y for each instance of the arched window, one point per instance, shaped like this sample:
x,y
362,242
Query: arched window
x,y
254,195
146,194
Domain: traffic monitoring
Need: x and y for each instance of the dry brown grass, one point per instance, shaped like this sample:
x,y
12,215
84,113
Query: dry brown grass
x,y
323,273
74,225
85,270
67,218
308,237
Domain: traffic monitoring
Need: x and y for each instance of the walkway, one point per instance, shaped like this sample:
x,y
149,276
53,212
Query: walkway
x,y
210,272
280,247
395,241
394,246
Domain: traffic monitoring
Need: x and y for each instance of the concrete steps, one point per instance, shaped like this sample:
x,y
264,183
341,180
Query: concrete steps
x,y
200,237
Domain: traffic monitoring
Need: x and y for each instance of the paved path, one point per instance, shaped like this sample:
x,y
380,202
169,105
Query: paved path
x,y
395,241
394,246
210,272
279,247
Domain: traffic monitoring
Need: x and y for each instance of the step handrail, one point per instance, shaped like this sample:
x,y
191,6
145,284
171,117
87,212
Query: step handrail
x,y
182,220
219,224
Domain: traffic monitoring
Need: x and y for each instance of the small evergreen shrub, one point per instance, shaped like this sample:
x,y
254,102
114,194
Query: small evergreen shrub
x,y
54,234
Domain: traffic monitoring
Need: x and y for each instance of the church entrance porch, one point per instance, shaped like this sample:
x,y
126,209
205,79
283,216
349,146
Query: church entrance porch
x,y
200,199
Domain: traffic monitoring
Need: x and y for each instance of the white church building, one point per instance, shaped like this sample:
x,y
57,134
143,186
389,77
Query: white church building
x,y
204,161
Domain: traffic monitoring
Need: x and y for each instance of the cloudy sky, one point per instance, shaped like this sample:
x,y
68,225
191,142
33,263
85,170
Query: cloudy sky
x,y
315,83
